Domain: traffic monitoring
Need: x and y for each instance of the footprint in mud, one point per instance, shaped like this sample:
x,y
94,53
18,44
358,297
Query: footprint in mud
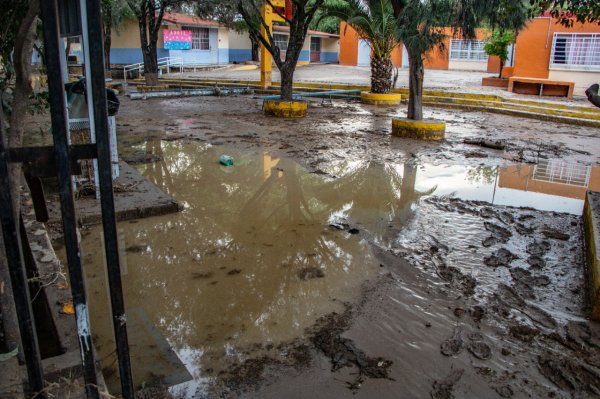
x,y
524,333
452,346
477,313
554,234
538,248
442,389
499,234
504,391
518,273
311,273
524,230
536,262
502,257
478,348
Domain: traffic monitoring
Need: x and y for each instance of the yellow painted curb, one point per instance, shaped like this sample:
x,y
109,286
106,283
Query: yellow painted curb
x,y
286,109
246,68
380,99
421,130
591,226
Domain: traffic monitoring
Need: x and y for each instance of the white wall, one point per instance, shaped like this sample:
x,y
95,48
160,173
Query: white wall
x,y
223,38
582,80
239,40
468,65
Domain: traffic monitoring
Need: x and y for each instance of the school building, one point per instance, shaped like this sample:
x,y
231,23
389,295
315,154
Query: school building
x,y
545,49
201,42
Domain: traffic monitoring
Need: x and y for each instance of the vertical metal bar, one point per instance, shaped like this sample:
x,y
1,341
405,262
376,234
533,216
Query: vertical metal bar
x,y
96,61
18,278
52,43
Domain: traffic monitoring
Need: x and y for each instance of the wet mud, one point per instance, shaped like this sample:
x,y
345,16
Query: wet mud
x,y
472,292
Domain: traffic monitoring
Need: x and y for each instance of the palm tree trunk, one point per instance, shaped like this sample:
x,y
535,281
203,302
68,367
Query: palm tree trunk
x,y
415,95
381,75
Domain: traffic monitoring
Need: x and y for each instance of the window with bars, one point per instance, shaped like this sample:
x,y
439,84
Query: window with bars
x,y
576,51
467,50
200,39
281,41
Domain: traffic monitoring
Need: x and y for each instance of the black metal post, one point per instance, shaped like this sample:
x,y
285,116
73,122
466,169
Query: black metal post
x,y
52,41
96,52
18,278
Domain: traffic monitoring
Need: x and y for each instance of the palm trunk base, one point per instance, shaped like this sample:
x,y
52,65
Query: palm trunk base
x,y
389,99
286,109
420,130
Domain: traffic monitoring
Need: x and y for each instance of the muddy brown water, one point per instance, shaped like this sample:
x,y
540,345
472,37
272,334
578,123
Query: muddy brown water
x,y
265,248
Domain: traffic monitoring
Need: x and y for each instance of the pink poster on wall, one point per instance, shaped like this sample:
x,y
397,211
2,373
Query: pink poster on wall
x,y
178,39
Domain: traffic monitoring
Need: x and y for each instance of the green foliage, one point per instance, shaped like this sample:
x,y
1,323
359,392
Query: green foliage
x,y
227,13
421,25
372,20
497,44
568,11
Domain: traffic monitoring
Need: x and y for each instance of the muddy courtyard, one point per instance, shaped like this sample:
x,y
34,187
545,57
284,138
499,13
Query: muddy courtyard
x,y
334,260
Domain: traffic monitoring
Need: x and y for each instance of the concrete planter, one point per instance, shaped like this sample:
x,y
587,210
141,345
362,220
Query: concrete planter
x,y
420,130
495,82
380,99
285,109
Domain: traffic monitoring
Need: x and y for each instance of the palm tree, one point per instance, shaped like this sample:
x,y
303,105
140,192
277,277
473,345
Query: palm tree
x,y
374,21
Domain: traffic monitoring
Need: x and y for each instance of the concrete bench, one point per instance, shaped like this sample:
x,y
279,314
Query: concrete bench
x,y
542,87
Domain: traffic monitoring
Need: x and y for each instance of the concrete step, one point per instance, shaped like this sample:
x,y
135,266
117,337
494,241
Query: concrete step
x,y
518,113
544,108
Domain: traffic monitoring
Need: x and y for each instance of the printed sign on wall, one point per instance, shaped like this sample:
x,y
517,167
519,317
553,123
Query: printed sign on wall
x,y
178,39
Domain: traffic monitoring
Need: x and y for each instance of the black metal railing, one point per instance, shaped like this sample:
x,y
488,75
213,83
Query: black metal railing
x,y
63,155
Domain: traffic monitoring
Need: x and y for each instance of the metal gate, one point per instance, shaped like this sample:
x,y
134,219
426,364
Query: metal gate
x,y
62,155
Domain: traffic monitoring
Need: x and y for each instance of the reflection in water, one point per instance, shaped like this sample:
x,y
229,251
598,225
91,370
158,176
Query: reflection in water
x,y
252,259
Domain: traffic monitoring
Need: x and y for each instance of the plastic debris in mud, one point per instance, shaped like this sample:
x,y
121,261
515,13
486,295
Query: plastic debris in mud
x,y
226,160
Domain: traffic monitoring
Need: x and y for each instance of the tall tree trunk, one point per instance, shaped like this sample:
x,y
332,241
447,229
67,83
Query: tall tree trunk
x,y
23,51
415,94
501,68
107,24
149,54
381,75
255,49
287,82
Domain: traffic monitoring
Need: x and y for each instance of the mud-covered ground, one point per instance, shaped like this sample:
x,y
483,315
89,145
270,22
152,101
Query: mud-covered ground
x,y
473,300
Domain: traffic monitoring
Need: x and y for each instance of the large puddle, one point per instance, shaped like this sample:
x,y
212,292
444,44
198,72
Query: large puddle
x,y
264,248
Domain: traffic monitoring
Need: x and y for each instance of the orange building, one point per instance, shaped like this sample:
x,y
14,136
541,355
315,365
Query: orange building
x,y
545,49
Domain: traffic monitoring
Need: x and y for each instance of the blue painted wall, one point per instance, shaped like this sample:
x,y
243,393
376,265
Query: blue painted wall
x,y
329,56
240,55
304,55
223,56
125,56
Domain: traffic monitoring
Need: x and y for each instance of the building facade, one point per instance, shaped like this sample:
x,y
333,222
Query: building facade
x,y
201,42
545,49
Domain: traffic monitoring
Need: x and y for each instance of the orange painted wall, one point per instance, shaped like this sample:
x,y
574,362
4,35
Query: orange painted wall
x,y
534,45
397,57
520,177
348,45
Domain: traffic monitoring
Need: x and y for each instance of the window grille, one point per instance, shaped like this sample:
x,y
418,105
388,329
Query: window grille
x,y
467,50
575,51
200,39
281,41
559,171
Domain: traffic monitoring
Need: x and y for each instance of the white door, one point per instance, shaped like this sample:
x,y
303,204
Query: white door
x,y
364,53
404,57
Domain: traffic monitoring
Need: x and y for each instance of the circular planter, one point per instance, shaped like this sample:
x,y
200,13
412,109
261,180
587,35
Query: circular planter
x,y
420,130
380,99
285,109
